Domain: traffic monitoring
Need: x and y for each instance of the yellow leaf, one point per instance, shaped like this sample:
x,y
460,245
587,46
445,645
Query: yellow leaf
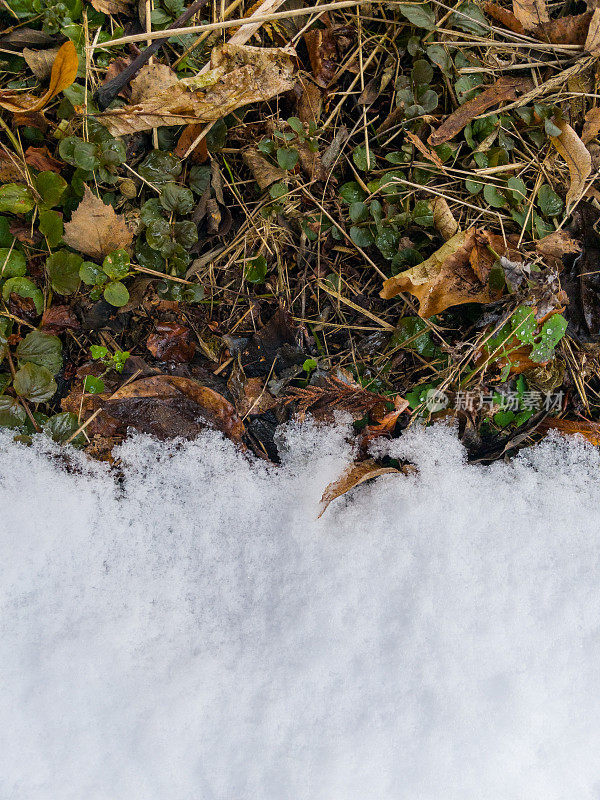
x,y
577,159
64,72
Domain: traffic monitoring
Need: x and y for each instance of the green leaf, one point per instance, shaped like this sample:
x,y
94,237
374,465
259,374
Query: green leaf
x,y
551,129
469,17
421,73
413,333
362,160
116,264
504,418
24,288
34,383
387,241
185,233
518,190
93,385
362,237
493,196
63,271
549,202
78,153
199,178
423,213
6,237
62,426
287,157
12,263
98,351
176,199
5,381
41,349
554,329
12,413
438,54
159,167
278,190
50,187
91,274
116,294
352,192
51,226
296,125
418,14
15,198
524,325
358,212
256,269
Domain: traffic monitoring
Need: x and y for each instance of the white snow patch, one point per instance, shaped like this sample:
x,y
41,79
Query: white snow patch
x,y
196,634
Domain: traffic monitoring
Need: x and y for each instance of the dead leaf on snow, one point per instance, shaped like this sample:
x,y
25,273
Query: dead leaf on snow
x,y
503,90
589,430
40,61
263,172
577,158
443,218
353,476
239,75
447,278
63,73
95,229
591,126
530,13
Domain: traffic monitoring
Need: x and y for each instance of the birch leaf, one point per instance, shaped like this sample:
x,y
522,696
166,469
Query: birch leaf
x,y
576,157
95,229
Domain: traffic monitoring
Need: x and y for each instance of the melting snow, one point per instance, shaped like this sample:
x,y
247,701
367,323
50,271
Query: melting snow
x,y
194,633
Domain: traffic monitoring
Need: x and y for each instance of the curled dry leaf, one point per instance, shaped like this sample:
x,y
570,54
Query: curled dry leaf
x,y
591,126
503,90
430,155
557,244
353,476
577,158
443,218
455,274
112,6
62,75
239,75
263,172
95,229
323,55
530,13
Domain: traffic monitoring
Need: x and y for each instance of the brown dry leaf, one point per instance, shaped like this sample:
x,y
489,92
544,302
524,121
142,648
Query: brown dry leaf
x,y
58,319
504,17
310,105
40,61
95,229
10,169
530,13
151,80
503,90
40,158
323,55
430,155
171,342
445,279
188,136
591,126
353,476
263,172
239,75
564,30
592,40
577,158
589,430
250,394
443,218
557,244
64,72
113,6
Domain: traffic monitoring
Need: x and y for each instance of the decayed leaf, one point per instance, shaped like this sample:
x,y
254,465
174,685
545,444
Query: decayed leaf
x,y
530,13
112,6
449,277
589,430
239,75
10,169
323,55
171,341
40,61
64,72
151,80
443,218
557,244
577,158
503,90
592,40
564,30
40,158
95,229
591,126
430,155
353,476
504,17
263,172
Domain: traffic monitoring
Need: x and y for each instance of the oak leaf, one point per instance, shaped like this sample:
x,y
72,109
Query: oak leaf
x,y
95,229
577,158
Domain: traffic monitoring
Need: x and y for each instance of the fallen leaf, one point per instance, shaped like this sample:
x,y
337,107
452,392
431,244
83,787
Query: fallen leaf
x,y
353,476
239,75
504,17
443,218
112,6
40,158
190,133
63,73
385,421
323,55
250,395
430,155
503,90
589,430
151,80
447,278
310,104
592,40
564,30
530,13
557,244
591,126
331,394
577,158
171,342
58,319
263,172
10,169
95,229
40,61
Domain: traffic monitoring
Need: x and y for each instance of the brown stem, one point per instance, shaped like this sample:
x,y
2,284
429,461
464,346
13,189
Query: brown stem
x,y
107,93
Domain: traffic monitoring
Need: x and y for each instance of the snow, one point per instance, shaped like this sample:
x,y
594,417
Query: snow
x,y
193,632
